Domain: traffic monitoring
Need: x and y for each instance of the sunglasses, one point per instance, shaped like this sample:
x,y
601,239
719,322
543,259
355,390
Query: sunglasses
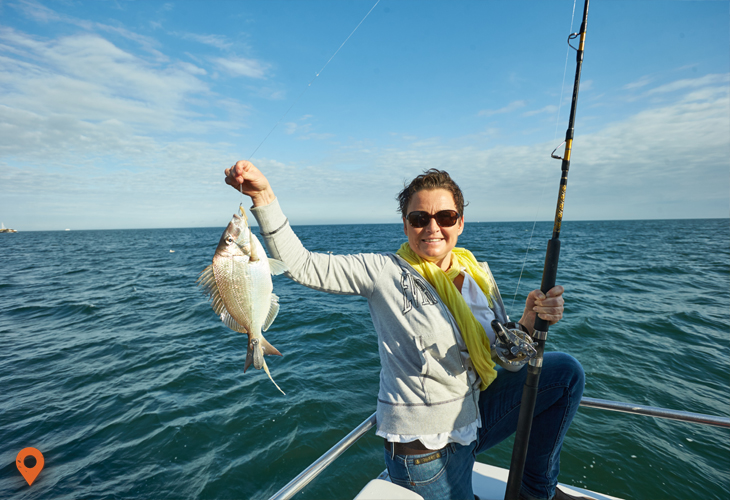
x,y
444,218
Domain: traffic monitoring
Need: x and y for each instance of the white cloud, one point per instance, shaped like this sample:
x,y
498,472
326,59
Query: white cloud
x,y
513,106
57,95
304,130
217,41
691,83
640,83
89,70
668,161
39,12
43,14
547,109
191,68
240,66
290,128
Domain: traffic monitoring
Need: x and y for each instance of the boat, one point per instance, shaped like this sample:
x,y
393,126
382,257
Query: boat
x,y
489,482
4,229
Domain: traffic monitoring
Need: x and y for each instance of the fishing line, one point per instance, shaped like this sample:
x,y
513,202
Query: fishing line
x,y
544,180
312,80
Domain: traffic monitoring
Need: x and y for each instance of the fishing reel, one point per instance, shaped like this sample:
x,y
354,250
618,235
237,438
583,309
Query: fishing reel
x,y
513,347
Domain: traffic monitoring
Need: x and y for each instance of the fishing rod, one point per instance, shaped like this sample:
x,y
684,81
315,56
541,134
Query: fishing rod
x,y
549,274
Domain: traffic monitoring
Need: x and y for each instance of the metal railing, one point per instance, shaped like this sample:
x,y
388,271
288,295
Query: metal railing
x,y
298,483
653,411
303,479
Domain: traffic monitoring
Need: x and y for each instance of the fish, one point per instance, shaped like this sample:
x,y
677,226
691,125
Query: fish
x,y
238,284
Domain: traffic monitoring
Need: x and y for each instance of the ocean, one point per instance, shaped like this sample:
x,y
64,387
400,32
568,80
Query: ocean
x,y
114,366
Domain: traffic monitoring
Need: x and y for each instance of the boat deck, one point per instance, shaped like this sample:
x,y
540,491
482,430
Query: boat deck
x,y
489,484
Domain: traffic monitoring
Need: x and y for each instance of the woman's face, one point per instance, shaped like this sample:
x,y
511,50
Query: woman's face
x,y
433,243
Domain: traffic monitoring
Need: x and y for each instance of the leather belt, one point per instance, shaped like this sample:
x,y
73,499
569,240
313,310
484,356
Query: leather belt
x,y
412,448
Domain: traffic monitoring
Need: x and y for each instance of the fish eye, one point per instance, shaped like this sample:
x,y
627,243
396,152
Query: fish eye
x,y
229,239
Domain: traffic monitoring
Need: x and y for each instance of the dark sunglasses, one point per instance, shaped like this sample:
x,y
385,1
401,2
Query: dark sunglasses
x,y
444,218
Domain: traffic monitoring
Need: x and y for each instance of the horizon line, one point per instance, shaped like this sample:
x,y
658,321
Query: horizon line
x,y
368,224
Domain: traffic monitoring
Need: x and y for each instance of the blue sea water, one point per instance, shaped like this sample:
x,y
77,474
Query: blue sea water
x,y
114,366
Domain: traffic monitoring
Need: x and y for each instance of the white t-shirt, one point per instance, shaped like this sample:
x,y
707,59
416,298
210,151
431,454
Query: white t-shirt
x,y
479,305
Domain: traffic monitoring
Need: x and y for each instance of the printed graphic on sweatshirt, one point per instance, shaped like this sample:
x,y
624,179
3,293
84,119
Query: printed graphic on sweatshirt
x,y
415,292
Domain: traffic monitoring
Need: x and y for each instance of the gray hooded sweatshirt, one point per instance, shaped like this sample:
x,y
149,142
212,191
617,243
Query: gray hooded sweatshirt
x,y
424,384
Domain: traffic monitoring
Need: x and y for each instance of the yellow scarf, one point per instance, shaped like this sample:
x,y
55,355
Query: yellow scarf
x,y
477,342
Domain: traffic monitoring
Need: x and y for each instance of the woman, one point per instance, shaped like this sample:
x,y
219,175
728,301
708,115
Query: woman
x,y
441,400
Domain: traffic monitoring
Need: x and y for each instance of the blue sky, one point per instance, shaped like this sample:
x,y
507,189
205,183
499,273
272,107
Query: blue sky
x,y
124,114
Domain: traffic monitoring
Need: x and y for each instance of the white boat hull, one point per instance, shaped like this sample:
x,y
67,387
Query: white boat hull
x,y
489,483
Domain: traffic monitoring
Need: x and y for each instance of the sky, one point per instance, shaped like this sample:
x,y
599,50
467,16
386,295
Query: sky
x,y
124,114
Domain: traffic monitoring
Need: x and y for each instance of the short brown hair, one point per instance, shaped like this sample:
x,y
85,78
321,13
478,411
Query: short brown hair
x,y
429,180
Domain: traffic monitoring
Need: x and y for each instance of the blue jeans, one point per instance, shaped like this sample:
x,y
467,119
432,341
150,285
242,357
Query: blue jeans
x,y
448,474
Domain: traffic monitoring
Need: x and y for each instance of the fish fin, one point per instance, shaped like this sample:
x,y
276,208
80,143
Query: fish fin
x,y
266,369
269,349
231,323
206,281
277,267
206,271
273,311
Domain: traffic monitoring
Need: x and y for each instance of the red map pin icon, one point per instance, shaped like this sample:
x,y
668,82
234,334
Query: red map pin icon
x,y
30,463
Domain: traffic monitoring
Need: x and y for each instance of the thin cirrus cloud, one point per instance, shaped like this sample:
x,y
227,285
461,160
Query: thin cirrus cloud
x,y
550,109
240,66
88,83
641,82
513,106
45,15
93,59
692,83
217,41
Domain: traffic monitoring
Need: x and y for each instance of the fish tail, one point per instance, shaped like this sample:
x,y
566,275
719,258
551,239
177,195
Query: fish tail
x,y
268,348
257,348
266,369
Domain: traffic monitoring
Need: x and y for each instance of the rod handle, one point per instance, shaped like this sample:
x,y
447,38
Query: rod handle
x,y
549,275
